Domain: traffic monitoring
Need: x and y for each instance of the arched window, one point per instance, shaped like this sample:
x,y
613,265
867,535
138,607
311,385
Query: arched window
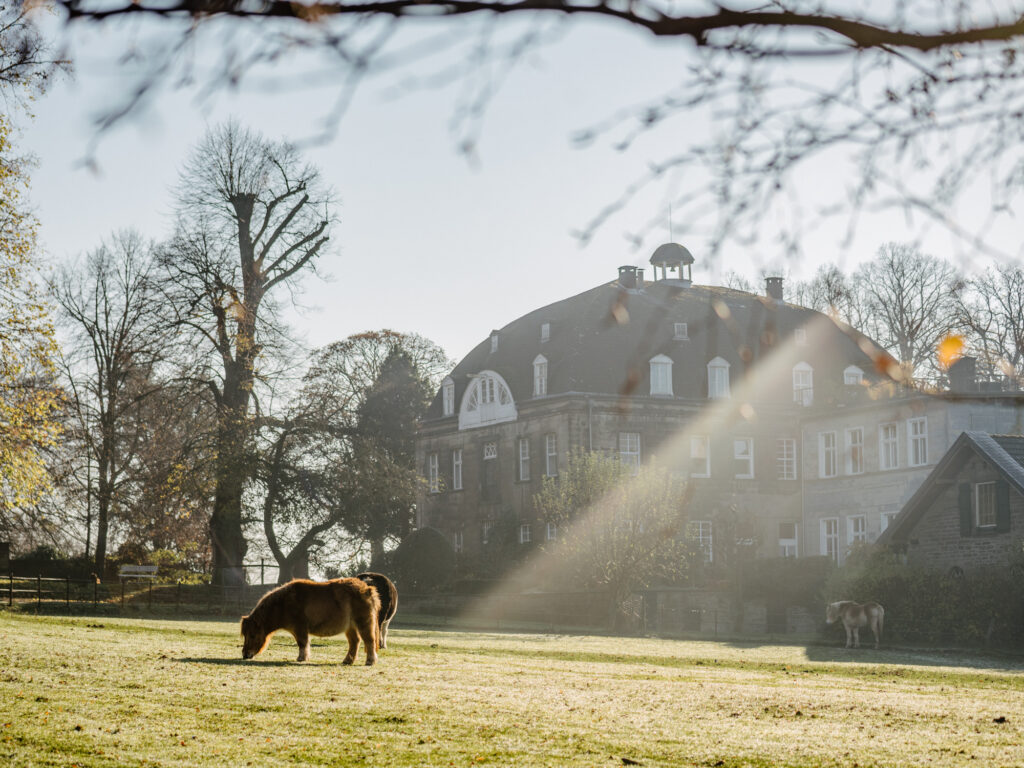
x,y
853,375
540,376
718,378
661,375
803,384
447,397
487,400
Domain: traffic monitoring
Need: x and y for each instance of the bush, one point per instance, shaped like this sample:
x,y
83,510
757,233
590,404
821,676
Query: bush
x,y
985,606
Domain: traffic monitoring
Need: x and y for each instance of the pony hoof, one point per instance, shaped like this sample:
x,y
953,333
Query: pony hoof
x,y
347,661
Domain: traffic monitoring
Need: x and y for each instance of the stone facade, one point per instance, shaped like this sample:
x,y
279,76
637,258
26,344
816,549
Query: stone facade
x,y
863,504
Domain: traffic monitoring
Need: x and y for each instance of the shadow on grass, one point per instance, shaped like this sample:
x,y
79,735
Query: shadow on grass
x,y
222,662
967,660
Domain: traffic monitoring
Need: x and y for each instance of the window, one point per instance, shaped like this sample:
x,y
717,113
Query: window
x,y
887,519
489,471
826,454
448,397
661,375
718,378
800,337
545,332
681,332
699,532
540,375
457,469
853,375
457,542
830,538
485,532
855,451
985,505
629,450
888,446
524,533
803,384
432,474
857,529
494,342
700,456
788,540
785,458
490,451
743,455
487,400
552,532
917,434
550,455
524,458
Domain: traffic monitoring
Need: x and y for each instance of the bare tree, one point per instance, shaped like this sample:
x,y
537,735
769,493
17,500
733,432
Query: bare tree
x,y
109,309
990,311
253,219
912,104
908,305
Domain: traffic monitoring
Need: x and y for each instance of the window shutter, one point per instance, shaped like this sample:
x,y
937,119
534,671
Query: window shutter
x,y
966,518
1002,506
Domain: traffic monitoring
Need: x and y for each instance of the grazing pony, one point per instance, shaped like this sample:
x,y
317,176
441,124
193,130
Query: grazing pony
x,y
320,608
855,616
388,602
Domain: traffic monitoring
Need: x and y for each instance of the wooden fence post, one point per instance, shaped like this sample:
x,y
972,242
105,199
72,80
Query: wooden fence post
x,y
39,591
95,592
122,594
10,589
67,592
150,598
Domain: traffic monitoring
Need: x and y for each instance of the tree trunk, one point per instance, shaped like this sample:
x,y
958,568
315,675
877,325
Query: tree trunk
x,y
228,542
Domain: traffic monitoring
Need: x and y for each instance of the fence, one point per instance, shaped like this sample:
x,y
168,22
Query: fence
x,y
127,595
668,612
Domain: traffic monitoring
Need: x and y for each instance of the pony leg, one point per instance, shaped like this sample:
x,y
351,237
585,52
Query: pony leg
x,y
384,633
353,645
368,632
876,629
302,639
849,635
856,637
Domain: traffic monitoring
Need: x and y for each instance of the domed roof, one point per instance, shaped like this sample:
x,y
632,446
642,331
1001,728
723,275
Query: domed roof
x,y
671,254
603,338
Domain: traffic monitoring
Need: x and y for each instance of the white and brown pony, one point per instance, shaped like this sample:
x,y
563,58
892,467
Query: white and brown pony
x,y
854,616
319,608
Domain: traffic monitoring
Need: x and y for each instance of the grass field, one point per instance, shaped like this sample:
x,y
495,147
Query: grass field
x,y
105,692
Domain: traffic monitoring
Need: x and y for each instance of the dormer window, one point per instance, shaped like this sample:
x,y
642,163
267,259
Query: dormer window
x,y
718,378
448,397
540,376
487,400
680,332
494,342
545,332
800,337
853,375
803,384
661,375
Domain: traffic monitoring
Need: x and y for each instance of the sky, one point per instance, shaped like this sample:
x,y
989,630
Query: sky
x,y
428,240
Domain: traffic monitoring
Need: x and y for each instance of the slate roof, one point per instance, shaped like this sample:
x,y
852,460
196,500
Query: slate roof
x,y
600,337
1004,452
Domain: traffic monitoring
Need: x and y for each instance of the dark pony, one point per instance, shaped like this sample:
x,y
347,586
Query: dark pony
x,y
388,602
319,608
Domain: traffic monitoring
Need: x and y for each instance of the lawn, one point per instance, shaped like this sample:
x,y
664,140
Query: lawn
x,y
105,692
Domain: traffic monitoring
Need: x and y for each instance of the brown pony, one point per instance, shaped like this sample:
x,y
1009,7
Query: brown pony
x,y
320,608
855,616
388,602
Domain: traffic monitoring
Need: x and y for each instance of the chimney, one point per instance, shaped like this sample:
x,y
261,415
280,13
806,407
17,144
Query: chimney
x,y
627,277
773,288
963,375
